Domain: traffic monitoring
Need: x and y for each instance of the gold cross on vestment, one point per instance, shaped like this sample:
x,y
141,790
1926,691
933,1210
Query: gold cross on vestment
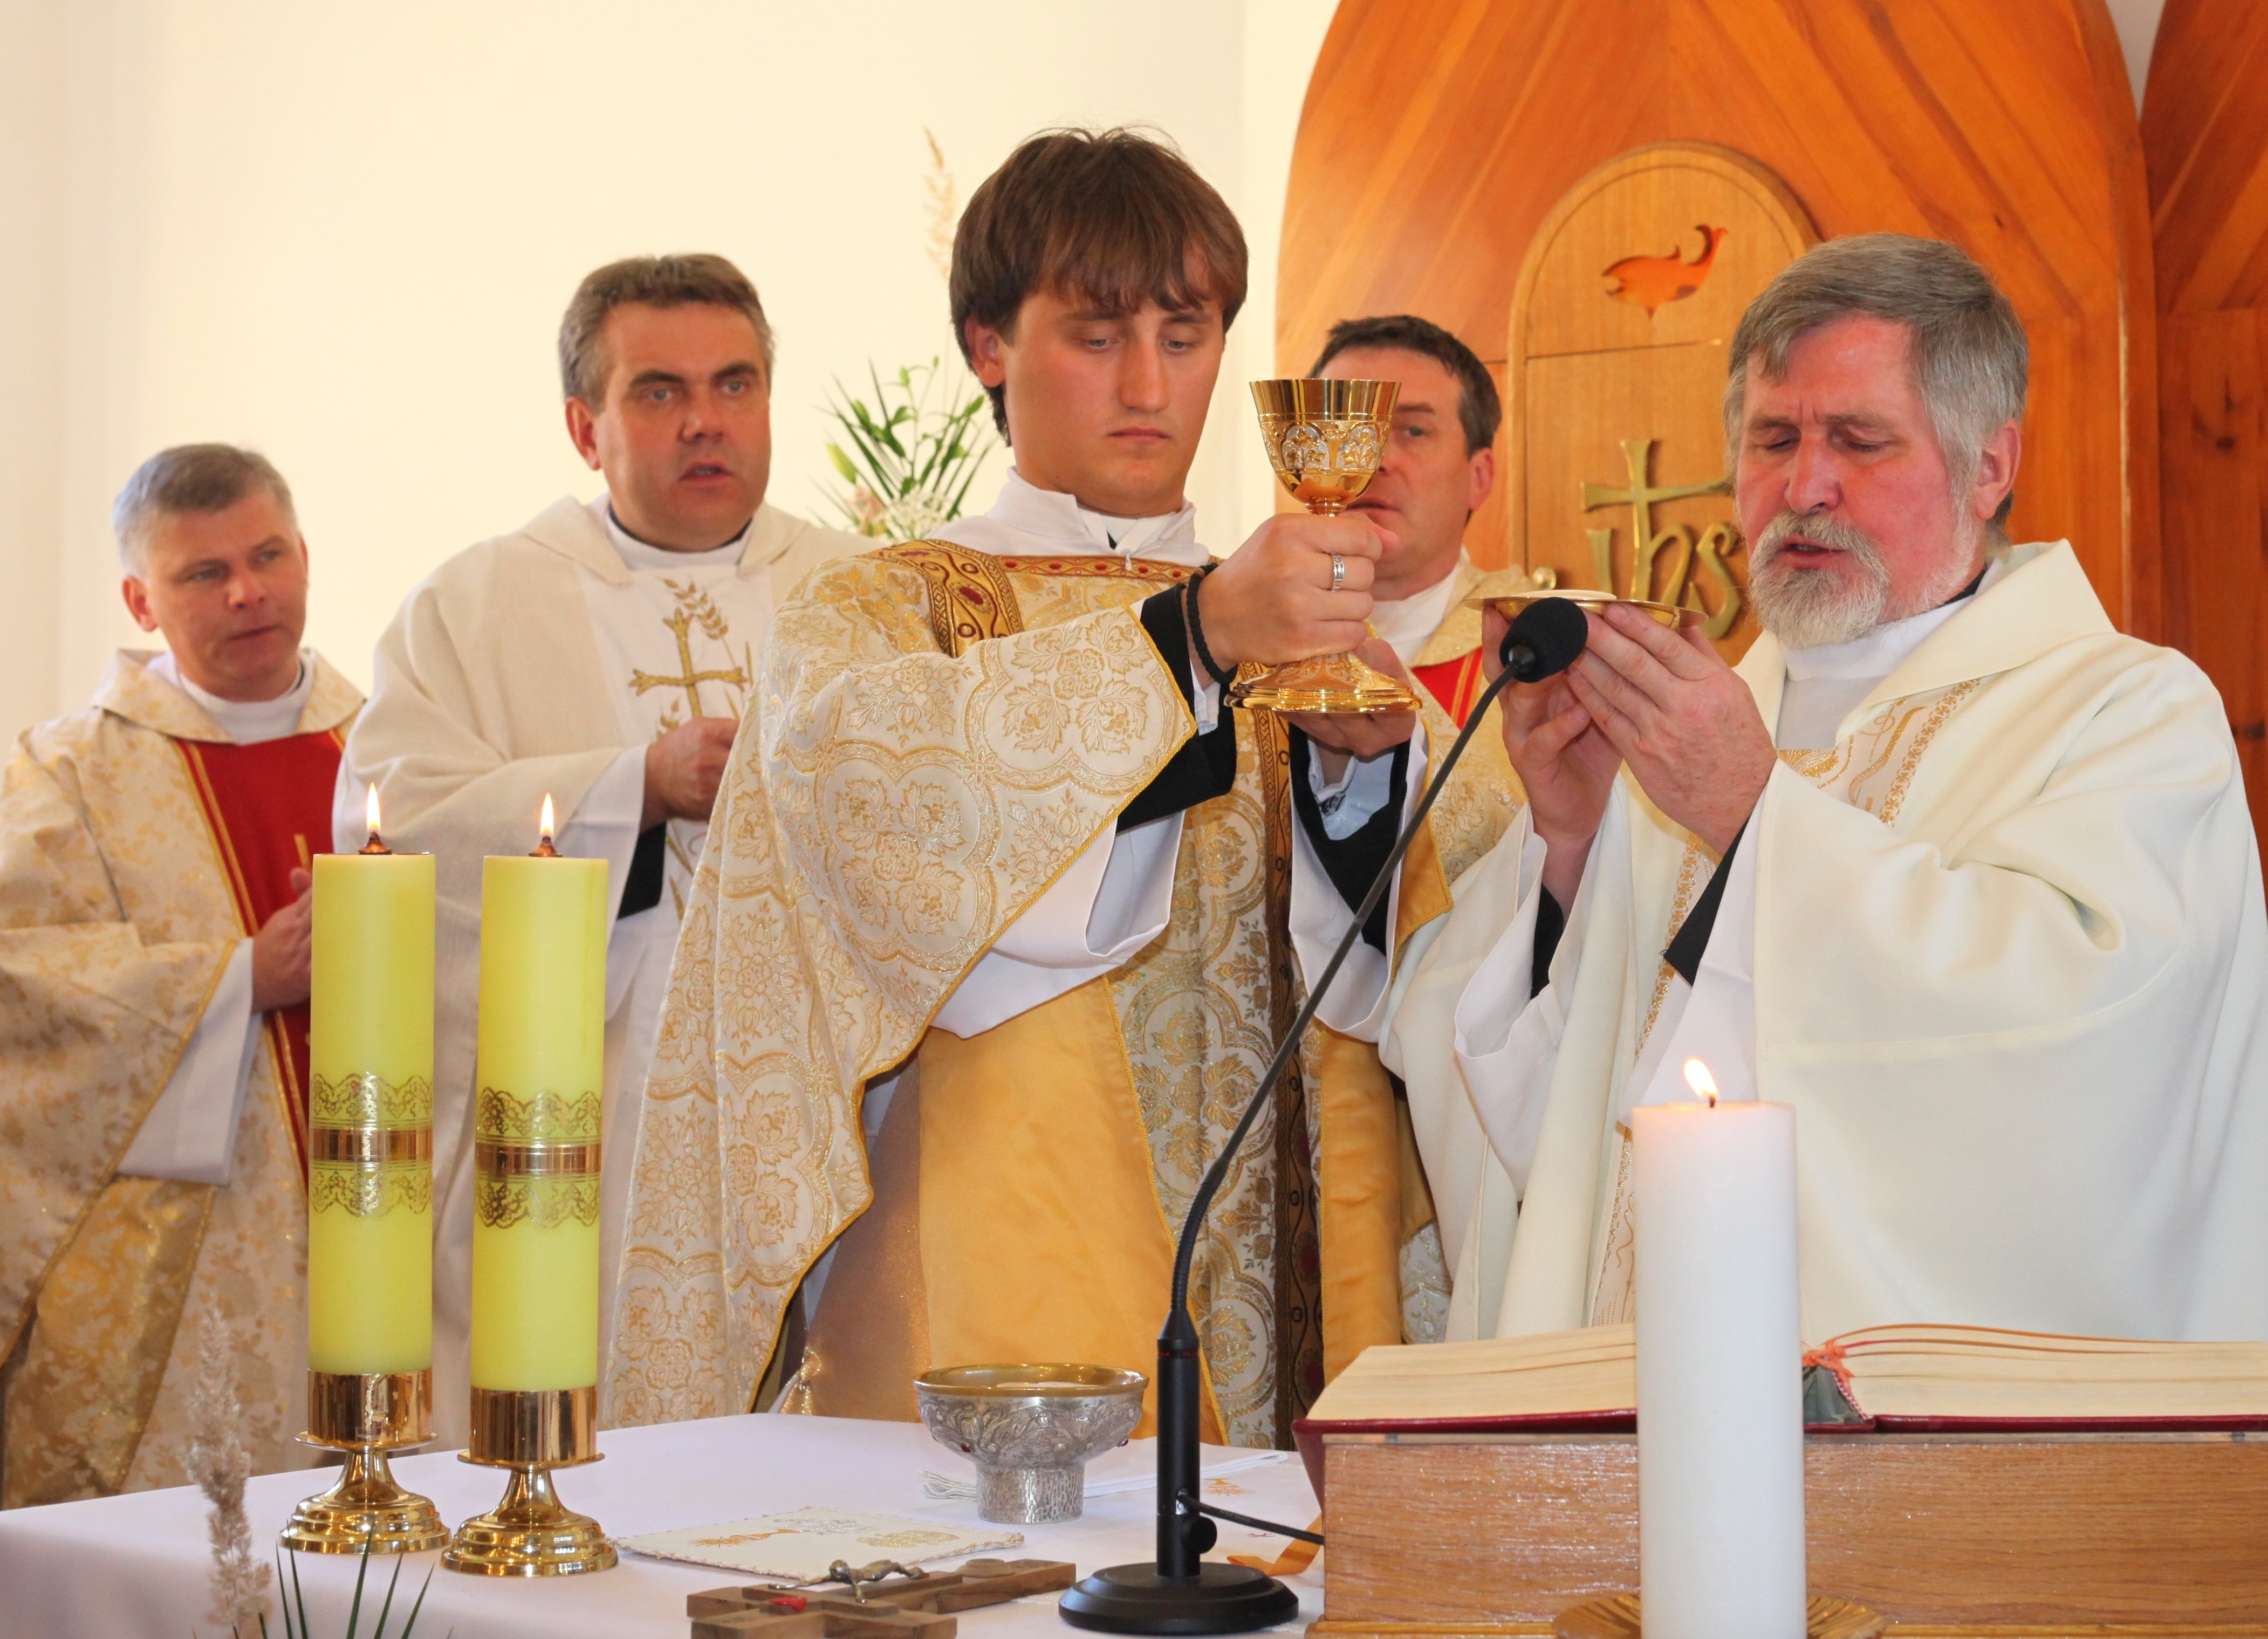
x,y
689,679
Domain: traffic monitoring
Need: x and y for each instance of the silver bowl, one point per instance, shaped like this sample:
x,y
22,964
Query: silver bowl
x,y
1030,1430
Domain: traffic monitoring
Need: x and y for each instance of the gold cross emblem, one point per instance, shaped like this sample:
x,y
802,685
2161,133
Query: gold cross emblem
x,y
1708,550
694,608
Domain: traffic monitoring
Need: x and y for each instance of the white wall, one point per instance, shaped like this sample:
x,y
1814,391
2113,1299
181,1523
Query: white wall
x,y
343,235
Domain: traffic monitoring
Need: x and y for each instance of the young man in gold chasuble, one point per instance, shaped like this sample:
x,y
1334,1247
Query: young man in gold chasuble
x,y
1003,910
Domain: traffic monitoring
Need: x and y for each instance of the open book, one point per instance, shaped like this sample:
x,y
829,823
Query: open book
x,y
1892,1378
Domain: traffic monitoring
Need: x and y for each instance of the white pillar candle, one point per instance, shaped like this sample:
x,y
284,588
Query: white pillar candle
x,y
1719,1370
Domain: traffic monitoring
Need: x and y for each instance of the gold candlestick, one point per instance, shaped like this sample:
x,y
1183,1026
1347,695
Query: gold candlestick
x,y
1325,440
366,1414
530,1533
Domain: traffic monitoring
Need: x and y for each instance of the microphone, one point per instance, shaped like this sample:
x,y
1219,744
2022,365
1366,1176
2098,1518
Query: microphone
x,y
1180,1593
1544,640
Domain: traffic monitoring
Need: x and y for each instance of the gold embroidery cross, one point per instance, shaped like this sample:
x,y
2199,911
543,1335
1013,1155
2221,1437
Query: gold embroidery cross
x,y
692,605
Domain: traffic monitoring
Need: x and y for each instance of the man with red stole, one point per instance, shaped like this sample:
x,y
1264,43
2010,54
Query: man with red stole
x,y
1004,907
1437,471
154,944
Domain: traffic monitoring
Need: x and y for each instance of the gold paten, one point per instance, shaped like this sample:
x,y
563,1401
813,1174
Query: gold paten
x,y
1325,440
530,1532
1509,605
365,1414
1618,1618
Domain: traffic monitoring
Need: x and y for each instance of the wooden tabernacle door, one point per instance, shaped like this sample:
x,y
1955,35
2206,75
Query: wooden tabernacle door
x,y
1441,138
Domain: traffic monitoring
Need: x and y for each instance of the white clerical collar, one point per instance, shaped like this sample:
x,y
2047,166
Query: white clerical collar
x,y
1824,685
1409,624
1023,505
247,721
640,554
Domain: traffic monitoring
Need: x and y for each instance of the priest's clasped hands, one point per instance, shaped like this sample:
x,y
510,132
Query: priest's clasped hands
x,y
1661,700
1272,600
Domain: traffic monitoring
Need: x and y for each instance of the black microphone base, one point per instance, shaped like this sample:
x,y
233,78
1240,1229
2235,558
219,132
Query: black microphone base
x,y
1220,1599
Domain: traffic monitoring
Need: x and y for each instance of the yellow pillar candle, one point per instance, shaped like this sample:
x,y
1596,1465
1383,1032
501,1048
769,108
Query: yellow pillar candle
x,y
542,1033
369,1168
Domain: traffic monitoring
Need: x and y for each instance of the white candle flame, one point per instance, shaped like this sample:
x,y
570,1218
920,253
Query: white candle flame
x,y
370,808
1699,1079
548,823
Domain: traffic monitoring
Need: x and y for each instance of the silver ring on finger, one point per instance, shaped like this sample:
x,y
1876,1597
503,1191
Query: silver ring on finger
x,y
1338,573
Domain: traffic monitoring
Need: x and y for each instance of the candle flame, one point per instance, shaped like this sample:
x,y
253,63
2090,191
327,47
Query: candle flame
x,y
543,849
375,844
1699,1079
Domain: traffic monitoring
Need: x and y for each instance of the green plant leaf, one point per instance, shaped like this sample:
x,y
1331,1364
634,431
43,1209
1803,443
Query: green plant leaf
x,y
390,1583
420,1605
362,1571
300,1595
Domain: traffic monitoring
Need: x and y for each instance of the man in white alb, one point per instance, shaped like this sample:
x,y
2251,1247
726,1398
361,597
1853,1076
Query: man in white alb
x,y
601,654
1947,863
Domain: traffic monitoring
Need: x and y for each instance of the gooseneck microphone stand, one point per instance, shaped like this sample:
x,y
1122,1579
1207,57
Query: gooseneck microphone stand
x,y
1181,1592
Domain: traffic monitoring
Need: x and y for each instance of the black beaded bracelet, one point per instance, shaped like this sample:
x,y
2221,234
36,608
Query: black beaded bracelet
x,y
1196,626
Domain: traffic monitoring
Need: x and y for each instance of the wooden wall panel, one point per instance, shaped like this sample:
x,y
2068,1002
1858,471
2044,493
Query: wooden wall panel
x,y
2205,128
1438,134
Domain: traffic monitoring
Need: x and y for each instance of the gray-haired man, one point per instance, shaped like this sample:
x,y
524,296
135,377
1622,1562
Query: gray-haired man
x,y
153,988
601,655
1946,864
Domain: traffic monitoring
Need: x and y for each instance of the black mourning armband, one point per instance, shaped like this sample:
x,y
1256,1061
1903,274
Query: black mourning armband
x,y
1205,766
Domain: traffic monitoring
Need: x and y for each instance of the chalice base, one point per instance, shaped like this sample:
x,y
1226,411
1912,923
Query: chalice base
x,y
1031,1496
1334,685
530,1534
364,1509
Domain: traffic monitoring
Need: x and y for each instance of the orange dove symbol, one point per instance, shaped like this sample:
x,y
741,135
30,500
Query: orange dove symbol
x,y
1653,282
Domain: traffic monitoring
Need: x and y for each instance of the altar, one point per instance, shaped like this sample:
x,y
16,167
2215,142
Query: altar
x,y
138,1564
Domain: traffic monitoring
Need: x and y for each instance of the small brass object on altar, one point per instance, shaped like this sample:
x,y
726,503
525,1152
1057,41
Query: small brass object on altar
x,y
1618,1618
1325,440
918,1608
366,1414
530,1532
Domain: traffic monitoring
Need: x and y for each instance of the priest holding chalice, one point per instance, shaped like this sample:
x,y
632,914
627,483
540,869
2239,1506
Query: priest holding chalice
x,y
1946,864
1008,896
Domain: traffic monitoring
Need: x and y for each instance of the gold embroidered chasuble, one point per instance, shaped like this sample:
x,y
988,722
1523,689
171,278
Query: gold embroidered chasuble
x,y
119,912
2008,952
941,732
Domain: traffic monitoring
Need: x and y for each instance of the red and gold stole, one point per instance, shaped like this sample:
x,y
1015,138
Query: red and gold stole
x,y
1455,683
268,807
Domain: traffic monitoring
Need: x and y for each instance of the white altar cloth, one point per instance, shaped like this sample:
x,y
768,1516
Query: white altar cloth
x,y
136,1566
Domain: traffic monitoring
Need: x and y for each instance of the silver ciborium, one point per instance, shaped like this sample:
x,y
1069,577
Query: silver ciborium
x,y
1030,1430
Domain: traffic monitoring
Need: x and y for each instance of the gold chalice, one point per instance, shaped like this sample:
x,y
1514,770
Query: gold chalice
x,y
1324,439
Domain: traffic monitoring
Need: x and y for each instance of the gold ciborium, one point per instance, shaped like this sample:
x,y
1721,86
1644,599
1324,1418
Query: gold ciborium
x,y
365,1416
1325,440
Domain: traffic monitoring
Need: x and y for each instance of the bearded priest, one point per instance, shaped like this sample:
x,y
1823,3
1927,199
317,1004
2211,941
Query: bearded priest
x,y
1006,910
1946,864
154,950
601,655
